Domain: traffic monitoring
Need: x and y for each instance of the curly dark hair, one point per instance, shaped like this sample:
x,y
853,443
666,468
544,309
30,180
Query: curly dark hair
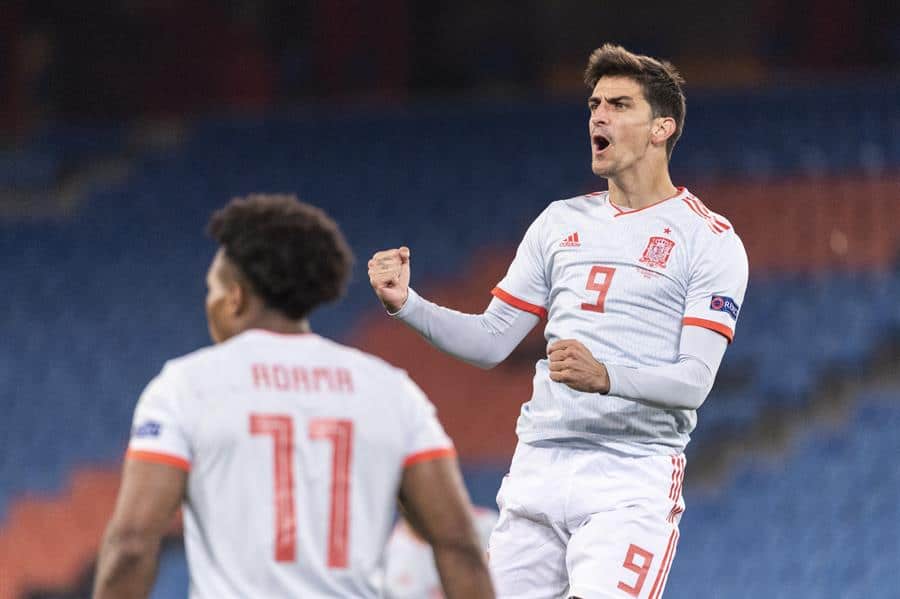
x,y
659,79
293,255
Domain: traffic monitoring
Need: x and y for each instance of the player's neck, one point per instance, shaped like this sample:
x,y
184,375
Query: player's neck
x,y
635,190
276,323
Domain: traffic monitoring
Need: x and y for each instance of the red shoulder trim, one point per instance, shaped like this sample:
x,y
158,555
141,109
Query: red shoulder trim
x,y
711,325
429,454
158,458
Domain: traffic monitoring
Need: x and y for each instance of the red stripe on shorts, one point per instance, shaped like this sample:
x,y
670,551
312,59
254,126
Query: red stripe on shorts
x,y
674,475
680,482
660,583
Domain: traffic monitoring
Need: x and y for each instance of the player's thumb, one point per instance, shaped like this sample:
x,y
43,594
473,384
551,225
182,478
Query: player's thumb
x,y
404,255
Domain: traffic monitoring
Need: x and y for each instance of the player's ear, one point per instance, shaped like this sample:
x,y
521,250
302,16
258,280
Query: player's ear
x,y
237,298
662,129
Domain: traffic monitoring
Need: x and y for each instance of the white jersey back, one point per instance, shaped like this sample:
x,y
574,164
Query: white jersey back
x,y
295,447
410,572
623,283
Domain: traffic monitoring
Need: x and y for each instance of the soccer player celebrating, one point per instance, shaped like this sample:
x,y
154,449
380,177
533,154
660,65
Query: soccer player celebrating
x,y
641,288
287,450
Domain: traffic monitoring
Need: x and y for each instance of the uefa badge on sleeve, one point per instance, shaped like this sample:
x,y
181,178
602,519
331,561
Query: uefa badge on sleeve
x,y
657,252
721,303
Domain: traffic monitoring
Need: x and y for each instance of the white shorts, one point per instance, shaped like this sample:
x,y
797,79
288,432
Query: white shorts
x,y
586,523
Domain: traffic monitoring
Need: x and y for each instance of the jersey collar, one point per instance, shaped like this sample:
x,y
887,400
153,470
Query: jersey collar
x,y
276,334
618,211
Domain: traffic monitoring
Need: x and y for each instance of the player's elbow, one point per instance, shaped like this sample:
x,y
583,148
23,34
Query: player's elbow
x,y
125,545
490,356
456,534
689,395
696,386
460,542
692,397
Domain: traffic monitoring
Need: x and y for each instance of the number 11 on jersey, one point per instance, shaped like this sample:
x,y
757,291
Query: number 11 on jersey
x,y
599,280
340,434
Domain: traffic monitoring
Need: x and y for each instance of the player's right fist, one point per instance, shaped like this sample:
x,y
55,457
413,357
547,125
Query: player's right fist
x,y
389,277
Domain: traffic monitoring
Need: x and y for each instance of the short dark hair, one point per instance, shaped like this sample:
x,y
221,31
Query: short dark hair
x,y
292,254
659,79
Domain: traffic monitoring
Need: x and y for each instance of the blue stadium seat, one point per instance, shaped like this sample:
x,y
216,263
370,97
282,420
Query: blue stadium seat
x,y
821,522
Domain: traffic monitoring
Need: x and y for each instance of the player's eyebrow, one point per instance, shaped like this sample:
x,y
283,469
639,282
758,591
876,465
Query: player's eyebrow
x,y
614,100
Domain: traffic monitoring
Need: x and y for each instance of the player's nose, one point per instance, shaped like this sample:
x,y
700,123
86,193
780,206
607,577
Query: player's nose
x,y
600,113
600,116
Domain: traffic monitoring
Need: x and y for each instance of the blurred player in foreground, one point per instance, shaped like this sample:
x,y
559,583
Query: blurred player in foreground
x,y
287,450
641,288
409,561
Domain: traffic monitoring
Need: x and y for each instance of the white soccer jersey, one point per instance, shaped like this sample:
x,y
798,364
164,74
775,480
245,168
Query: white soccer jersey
x,y
295,447
623,283
410,572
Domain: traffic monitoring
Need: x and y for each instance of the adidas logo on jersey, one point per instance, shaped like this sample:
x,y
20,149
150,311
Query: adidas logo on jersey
x,y
571,241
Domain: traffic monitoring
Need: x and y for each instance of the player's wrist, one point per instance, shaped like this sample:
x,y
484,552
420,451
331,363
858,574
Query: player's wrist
x,y
394,308
601,384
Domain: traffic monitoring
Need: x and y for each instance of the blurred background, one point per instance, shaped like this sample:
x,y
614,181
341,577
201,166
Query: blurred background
x,y
448,127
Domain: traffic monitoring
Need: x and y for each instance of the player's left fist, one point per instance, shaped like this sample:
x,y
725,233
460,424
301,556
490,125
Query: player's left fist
x,y
572,364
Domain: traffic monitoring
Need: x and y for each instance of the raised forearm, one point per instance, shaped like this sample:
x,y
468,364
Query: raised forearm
x,y
483,340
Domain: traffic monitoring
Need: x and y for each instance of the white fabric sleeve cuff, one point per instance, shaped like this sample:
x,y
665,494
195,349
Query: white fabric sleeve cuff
x,y
409,305
483,340
682,385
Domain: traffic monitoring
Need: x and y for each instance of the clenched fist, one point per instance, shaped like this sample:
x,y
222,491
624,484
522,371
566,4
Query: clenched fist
x,y
573,364
389,277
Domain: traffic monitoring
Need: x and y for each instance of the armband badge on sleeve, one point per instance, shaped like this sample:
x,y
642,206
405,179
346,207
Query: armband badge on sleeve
x,y
721,303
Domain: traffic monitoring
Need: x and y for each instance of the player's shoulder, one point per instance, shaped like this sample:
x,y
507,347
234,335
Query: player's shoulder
x,y
221,357
711,237
579,203
200,358
171,382
568,212
323,348
178,376
564,210
707,224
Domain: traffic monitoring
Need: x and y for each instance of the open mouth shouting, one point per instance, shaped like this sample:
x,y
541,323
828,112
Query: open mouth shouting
x,y
600,143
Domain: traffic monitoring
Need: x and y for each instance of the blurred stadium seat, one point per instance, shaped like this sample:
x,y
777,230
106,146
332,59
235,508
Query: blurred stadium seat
x,y
820,521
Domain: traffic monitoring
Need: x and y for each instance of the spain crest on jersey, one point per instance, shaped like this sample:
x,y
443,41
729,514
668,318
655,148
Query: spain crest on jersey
x,y
657,252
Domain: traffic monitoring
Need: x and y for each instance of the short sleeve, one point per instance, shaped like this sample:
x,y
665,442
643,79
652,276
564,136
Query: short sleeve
x,y
158,431
717,284
525,285
425,437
